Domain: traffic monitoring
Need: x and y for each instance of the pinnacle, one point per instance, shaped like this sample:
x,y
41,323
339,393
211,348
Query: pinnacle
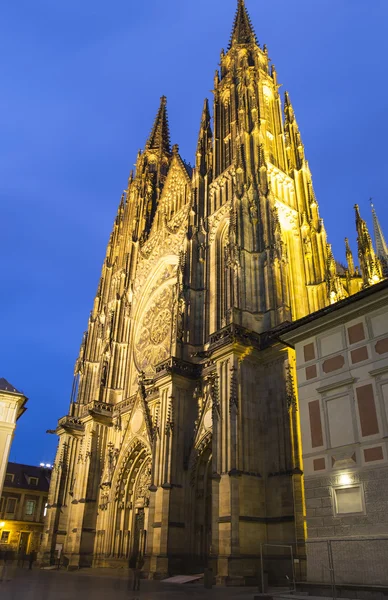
x,y
243,32
160,134
381,245
205,118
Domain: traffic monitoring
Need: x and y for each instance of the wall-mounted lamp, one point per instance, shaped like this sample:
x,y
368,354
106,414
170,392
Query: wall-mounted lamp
x,y
345,479
2,524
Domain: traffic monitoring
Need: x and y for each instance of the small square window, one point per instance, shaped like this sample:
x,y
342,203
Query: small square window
x,y
5,537
30,507
9,478
349,500
11,506
34,481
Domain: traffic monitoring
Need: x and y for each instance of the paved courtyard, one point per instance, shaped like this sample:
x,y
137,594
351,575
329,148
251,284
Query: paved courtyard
x,y
99,585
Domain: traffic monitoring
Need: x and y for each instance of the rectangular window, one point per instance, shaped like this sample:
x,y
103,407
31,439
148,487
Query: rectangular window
x,y
11,506
349,500
5,537
8,478
30,507
33,481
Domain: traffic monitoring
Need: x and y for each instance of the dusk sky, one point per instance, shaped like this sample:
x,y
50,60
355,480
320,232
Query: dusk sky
x,y
80,87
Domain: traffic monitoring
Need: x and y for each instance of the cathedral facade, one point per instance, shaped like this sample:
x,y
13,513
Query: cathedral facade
x,y
182,438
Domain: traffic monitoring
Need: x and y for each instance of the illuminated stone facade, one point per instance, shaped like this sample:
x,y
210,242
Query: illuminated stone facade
x,y
181,439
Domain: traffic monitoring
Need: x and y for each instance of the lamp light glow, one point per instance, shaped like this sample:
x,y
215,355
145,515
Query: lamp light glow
x,y
2,524
345,479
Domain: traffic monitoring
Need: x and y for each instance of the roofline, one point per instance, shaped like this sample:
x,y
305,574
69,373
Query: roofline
x,y
14,393
332,309
11,462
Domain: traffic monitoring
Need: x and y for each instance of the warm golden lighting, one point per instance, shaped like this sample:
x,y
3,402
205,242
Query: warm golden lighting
x,y
345,479
2,524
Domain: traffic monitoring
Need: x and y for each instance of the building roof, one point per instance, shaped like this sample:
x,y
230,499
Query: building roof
x,y
286,328
8,387
22,474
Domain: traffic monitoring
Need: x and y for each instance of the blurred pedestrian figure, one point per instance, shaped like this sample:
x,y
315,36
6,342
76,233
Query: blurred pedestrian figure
x,y
9,566
132,570
31,559
139,566
2,566
135,564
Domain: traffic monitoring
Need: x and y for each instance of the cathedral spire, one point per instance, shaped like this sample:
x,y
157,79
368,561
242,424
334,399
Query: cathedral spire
x,y
381,245
160,134
243,32
370,266
204,140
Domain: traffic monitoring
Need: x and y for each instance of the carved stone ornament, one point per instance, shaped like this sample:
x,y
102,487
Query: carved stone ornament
x,y
142,497
153,342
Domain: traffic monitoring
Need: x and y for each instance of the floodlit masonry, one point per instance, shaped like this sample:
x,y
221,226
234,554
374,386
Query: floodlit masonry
x,y
181,441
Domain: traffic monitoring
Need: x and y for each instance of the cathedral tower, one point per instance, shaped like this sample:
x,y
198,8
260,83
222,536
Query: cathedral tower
x,y
181,440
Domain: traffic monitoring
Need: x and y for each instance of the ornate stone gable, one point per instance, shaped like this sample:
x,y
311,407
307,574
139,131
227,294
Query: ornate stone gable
x,y
163,243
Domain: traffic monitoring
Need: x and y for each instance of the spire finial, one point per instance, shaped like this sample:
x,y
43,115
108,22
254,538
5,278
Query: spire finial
x,y
160,134
242,32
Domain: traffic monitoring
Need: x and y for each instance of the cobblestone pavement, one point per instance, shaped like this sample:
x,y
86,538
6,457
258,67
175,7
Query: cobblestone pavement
x,y
97,585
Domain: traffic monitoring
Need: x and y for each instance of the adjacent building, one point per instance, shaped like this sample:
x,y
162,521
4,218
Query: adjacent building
x,y
342,380
12,406
23,506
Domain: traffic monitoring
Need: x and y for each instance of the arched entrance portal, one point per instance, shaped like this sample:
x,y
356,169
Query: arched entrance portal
x,y
203,505
126,520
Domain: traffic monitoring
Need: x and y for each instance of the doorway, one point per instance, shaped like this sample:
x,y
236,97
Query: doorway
x,y
24,543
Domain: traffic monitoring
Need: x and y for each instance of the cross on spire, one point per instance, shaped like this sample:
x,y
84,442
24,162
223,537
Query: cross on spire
x,y
243,32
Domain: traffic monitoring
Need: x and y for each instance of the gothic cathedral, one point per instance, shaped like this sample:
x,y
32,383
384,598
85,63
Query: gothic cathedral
x,y
182,438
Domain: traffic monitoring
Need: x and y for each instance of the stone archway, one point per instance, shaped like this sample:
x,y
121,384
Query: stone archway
x,y
132,497
124,506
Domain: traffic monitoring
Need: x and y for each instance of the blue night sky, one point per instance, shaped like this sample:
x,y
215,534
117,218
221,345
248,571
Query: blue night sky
x,y
81,82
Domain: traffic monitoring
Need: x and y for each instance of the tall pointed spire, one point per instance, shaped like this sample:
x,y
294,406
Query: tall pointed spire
x,y
160,134
243,32
381,245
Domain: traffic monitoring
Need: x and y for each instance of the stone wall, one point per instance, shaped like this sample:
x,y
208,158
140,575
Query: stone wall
x,y
359,542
